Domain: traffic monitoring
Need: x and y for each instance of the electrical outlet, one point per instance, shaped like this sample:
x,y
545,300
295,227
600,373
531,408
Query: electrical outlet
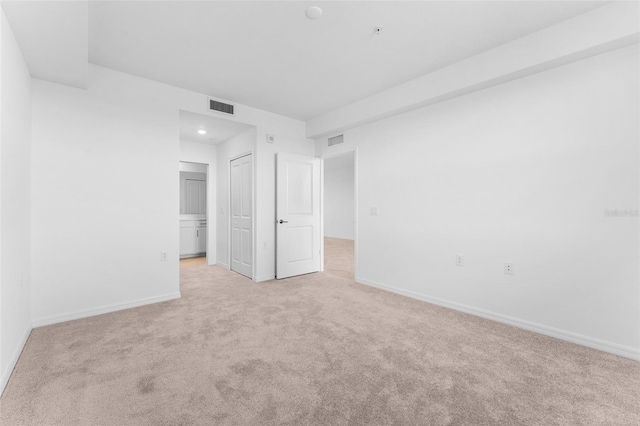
x,y
265,245
163,256
459,260
508,268
374,211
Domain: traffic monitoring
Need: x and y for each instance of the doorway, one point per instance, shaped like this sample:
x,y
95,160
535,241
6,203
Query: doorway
x,y
339,218
241,215
193,214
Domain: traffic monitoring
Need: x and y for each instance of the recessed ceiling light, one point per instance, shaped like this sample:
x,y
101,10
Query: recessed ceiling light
x,y
202,132
313,12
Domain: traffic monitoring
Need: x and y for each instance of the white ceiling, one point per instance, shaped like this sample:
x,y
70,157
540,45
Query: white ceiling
x,y
53,38
218,129
268,55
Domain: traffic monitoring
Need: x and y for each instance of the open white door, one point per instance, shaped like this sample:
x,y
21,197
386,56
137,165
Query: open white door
x,y
297,215
241,216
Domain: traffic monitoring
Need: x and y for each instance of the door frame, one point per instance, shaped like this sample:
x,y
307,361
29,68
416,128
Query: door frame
x,y
210,205
253,210
355,206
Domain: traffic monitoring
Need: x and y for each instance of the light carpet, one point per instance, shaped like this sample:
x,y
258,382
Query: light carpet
x,y
338,257
190,262
312,350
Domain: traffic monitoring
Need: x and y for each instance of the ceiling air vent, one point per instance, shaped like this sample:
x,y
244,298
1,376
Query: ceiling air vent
x,y
220,107
336,140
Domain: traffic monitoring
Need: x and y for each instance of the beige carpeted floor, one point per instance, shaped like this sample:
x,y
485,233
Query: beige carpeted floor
x,y
190,262
312,350
338,257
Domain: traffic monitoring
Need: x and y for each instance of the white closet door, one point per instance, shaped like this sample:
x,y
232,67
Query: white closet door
x,y
242,216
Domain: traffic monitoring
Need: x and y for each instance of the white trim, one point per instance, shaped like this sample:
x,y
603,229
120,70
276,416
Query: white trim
x,y
212,208
6,375
580,339
264,278
190,256
254,210
211,211
84,313
356,184
321,215
223,265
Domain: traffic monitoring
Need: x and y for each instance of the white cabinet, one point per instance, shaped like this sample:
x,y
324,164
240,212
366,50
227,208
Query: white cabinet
x,y
193,238
187,237
201,238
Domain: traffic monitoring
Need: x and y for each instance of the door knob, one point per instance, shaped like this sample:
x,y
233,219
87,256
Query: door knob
x,y
283,221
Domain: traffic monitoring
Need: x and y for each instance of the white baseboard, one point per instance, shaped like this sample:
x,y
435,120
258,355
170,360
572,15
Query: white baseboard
x,y
192,255
6,374
222,265
263,278
84,313
591,342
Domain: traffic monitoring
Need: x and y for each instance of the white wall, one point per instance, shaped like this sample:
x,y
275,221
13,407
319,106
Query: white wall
x,y
289,138
205,154
187,166
15,202
520,172
105,202
339,199
97,240
241,144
